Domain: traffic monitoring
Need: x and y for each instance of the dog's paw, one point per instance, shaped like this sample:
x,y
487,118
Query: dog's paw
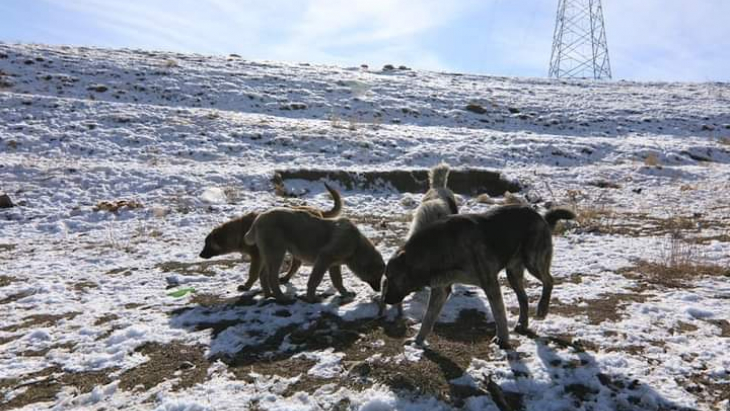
x,y
285,300
347,295
416,342
503,343
244,287
283,280
313,299
522,329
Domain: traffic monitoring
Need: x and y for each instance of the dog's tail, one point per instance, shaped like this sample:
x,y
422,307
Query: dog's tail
x,y
335,211
438,176
250,237
556,214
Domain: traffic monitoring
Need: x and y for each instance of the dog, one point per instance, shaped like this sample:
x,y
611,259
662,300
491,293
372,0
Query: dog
x,y
322,242
473,249
228,238
438,202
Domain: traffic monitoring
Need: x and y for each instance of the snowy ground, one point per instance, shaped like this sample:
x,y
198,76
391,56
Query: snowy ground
x,y
640,317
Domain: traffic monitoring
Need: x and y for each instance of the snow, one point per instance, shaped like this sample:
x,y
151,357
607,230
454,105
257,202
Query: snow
x,y
197,142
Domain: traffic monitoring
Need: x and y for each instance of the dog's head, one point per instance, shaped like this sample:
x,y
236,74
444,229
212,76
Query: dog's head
x,y
367,264
211,248
397,284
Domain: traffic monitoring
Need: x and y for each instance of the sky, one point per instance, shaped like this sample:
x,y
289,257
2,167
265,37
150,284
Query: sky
x,y
663,40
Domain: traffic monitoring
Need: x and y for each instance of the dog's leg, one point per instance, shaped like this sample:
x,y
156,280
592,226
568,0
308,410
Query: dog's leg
x,y
270,279
253,271
315,278
515,276
295,264
540,269
487,275
336,277
436,301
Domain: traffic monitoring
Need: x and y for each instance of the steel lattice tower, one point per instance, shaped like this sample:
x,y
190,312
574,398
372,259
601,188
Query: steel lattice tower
x,y
580,49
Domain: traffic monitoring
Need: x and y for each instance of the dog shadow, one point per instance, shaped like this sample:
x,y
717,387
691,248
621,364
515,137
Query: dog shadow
x,y
576,379
248,329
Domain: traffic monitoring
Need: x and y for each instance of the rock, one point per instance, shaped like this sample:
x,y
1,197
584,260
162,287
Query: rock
x,y
513,110
707,127
5,201
403,68
99,88
476,108
388,67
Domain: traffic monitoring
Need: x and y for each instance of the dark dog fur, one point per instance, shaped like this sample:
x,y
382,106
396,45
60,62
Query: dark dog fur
x,y
324,243
228,238
473,249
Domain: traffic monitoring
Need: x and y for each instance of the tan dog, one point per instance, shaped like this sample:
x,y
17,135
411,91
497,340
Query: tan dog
x,y
228,238
324,243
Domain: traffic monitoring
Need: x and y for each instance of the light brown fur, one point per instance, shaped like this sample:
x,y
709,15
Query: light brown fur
x,y
324,243
228,238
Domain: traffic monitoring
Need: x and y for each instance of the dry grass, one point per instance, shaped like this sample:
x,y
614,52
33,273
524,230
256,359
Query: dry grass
x,y
651,160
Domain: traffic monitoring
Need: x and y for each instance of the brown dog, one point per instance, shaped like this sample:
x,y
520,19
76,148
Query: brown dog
x,y
473,249
324,243
228,238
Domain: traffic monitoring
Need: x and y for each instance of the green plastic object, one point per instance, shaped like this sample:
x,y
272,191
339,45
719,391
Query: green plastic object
x,y
181,292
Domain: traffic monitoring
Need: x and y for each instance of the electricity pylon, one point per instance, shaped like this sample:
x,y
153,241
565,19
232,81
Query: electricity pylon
x,y
580,49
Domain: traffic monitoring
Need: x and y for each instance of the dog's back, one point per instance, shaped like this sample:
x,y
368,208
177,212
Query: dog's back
x,y
438,201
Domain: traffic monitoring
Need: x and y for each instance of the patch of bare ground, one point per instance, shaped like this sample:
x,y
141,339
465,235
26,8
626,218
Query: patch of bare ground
x,y
17,296
7,247
43,352
6,280
85,285
453,345
672,275
105,319
608,307
38,320
604,220
185,363
121,271
197,268
702,386
462,181
44,385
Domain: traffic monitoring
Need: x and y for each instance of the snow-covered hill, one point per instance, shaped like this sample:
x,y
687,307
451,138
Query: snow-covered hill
x,y
183,142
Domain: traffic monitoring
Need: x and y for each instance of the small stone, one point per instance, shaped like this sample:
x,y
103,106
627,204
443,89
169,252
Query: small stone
x,y
5,201
388,67
476,108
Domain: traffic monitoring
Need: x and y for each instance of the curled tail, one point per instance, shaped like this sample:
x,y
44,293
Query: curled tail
x,y
337,207
556,214
250,237
438,176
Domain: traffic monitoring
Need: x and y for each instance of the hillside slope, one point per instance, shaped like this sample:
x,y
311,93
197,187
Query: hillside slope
x,y
120,162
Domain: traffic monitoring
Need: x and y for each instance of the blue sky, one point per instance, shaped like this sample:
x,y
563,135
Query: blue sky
x,y
682,40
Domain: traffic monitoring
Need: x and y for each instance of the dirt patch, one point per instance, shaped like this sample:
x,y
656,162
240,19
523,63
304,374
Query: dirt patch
x,y
44,385
185,363
7,247
43,352
105,319
39,320
17,296
121,271
197,268
673,275
606,308
604,220
464,181
6,280
85,285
